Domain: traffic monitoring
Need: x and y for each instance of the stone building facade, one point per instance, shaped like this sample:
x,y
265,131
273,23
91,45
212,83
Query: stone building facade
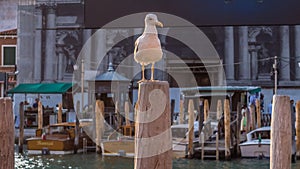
x,y
8,55
52,34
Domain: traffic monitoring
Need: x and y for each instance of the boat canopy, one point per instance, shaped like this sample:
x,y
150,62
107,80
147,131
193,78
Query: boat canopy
x,y
41,88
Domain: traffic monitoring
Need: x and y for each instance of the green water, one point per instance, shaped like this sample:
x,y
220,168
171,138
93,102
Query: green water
x,y
95,161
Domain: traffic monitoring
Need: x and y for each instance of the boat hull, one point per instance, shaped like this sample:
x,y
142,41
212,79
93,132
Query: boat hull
x,y
255,150
37,145
123,148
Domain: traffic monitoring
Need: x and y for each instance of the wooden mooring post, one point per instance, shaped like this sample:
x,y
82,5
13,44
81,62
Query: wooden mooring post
x,y
298,127
40,115
238,128
227,129
258,113
181,112
6,134
21,127
99,113
252,118
248,115
127,118
119,117
206,110
153,140
219,114
191,128
76,140
59,113
281,133
219,109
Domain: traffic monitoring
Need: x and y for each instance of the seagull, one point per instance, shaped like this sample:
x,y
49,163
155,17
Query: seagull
x,y
147,47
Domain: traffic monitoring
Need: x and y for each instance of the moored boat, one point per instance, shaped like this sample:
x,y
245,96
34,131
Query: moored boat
x,y
124,148
257,144
179,139
56,139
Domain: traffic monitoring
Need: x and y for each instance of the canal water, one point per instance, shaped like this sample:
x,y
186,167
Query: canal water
x,y
95,161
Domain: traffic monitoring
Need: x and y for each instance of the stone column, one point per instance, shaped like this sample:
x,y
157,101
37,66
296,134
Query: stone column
x,y
221,74
50,55
254,66
253,48
229,53
99,49
297,51
38,45
87,48
61,61
25,49
244,58
284,57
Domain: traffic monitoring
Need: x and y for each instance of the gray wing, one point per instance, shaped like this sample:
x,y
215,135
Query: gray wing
x,y
136,45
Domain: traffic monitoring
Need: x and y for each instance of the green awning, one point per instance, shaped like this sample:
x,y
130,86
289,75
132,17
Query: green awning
x,y
43,88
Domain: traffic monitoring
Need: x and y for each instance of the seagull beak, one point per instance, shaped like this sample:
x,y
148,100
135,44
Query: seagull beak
x,y
159,24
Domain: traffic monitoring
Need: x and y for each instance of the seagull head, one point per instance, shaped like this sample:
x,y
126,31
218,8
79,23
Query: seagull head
x,y
151,19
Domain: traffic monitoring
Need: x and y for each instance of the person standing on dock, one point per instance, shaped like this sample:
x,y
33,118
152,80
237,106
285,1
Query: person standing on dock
x,y
244,119
270,108
35,104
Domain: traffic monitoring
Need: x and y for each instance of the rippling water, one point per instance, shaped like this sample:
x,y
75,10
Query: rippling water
x,y
95,161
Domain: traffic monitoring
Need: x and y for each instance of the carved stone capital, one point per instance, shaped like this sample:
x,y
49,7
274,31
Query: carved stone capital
x,y
49,6
254,31
114,35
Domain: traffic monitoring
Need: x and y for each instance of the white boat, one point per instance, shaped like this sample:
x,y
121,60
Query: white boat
x,y
180,139
257,144
118,145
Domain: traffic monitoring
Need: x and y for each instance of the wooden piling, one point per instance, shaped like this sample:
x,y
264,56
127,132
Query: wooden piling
x,y
227,128
40,115
219,114
281,133
181,112
217,146
172,111
99,113
126,107
76,140
238,127
59,113
119,116
252,117
202,145
153,140
219,109
206,110
191,128
6,134
258,113
248,115
298,127
21,127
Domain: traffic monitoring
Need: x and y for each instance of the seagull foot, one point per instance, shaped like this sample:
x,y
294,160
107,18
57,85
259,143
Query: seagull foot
x,y
142,80
152,80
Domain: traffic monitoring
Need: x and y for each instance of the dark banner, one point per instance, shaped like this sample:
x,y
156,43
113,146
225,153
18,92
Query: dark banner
x,y
199,12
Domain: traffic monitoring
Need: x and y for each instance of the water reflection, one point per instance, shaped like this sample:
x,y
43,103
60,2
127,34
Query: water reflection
x,y
95,161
